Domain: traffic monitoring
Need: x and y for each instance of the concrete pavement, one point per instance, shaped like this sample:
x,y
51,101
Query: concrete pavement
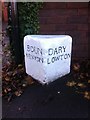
x,y
55,100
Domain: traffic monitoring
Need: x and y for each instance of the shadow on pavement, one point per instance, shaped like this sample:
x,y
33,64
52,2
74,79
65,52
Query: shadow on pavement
x,y
55,100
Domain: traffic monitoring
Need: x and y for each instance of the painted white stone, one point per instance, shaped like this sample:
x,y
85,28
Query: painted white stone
x,y
47,57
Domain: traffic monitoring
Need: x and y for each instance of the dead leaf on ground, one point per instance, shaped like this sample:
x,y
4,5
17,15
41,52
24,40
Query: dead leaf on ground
x,y
9,89
88,81
29,80
71,84
7,78
14,73
76,67
81,85
20,65
18,93
9,73
5,90
87,95
87,75
82,75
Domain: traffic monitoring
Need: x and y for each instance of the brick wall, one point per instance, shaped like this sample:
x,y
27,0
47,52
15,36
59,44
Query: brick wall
x,y
4,12
67,18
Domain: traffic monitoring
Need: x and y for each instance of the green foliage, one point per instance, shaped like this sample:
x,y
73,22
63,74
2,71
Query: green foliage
x,y
28,17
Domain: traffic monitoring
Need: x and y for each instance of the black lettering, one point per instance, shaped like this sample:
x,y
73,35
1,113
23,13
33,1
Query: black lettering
x,y
53,59
61,56
69,55
64,48
59,49
55,51
39,51
37,59
42,60
50,51
57,58
32,49
28,48
48,61
65,56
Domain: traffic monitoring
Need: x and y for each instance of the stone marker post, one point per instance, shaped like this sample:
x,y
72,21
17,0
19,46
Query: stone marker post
x,y
47,57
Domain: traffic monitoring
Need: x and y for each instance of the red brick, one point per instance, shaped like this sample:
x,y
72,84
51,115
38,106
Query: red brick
x,y
66,27
52,12
89,28
47,32
72,11
47,27
57,20
60,32
89,19
82,40
77,5
42,20
82,55
54,5
74,34
82,48
77,19
83,11
51,32
80,51
53,20
57,12
78,37
83,27
89,9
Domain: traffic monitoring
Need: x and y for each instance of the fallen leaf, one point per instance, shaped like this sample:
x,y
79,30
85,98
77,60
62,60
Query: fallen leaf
x,y
14,73
7,55
72,83
82,75
76,67
81,85
5,90
29,80
8,63
18,93
87,95
9,73
79,92
87,74
88,81
20,65
7,78
9,89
